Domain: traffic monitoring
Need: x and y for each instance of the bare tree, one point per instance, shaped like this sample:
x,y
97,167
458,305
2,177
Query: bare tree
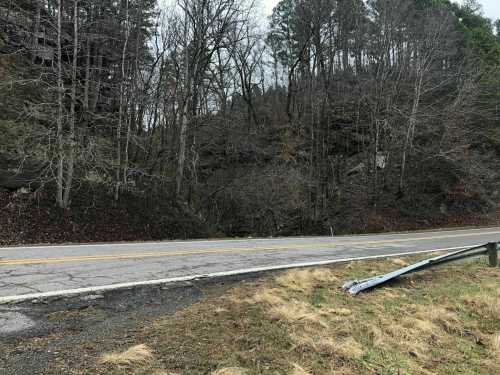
x,y
72,116
121,107
60,106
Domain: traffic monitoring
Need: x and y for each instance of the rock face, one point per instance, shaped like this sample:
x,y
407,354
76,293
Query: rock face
x,y
15,174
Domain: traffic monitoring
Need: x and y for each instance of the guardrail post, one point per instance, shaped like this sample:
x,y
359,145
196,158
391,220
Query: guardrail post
x,y
493,254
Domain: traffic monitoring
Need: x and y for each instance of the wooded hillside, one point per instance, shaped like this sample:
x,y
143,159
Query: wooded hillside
x,y
202,118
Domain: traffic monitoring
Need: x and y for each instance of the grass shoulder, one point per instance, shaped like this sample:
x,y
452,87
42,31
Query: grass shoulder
x,y
442,321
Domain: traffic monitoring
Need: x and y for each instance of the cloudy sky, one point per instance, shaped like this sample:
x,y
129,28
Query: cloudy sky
x,y
491,8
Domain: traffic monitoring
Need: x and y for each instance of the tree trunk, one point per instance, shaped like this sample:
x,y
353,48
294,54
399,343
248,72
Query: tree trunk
x,y
86,87
35,32
60,89
120,109
97,89
71,143
182,145
410,131
185,111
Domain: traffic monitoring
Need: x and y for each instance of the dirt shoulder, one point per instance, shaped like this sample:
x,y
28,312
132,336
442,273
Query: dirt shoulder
x,y
442,321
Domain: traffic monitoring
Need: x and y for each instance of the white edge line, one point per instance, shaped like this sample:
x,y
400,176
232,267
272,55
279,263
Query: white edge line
x,y
105,288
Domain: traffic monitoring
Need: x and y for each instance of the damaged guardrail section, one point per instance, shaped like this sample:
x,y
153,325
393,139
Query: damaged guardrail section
x,y
490,249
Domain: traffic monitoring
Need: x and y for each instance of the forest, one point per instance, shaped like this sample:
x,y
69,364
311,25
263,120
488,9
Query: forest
x,y
140,119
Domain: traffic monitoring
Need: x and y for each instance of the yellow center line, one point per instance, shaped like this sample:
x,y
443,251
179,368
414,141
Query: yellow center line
x,y
103,257
156,254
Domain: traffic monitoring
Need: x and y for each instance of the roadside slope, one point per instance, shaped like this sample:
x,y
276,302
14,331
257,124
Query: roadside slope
x,y
295,322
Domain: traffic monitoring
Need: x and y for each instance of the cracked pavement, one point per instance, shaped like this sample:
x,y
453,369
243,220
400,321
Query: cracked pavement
x,y
39,269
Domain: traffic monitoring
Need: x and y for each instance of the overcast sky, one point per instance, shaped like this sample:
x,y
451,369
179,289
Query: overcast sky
x,y
491,8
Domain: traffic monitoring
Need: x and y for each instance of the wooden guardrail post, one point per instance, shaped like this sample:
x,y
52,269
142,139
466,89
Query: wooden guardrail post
x,y
493,254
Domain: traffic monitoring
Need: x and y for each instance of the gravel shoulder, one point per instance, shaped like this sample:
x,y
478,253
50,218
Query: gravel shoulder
x,y
44,336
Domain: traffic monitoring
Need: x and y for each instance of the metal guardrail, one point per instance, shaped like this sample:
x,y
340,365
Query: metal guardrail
x,y
490,249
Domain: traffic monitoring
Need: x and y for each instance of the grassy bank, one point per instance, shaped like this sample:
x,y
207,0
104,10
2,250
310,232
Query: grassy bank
x,y
443,321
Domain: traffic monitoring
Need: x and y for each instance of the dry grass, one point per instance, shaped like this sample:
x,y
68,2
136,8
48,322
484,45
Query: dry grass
x,y
392,321
138,354
297,370
220,310
270,297
297,311
400,262
304,280
164,372
488,302
299,322
283,306
231,371
495,345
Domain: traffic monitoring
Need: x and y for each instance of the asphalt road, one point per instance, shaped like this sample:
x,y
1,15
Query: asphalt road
x,y
29,271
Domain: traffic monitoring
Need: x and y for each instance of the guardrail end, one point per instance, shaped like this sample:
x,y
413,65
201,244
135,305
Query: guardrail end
x,y
493,254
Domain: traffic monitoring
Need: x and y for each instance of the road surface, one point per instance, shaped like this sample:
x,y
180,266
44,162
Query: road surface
x,y
28,272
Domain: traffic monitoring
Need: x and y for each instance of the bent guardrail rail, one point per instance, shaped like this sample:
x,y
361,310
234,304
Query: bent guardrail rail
x,y
490,249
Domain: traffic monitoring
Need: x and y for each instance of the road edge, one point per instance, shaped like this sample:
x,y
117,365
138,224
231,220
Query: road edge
x,y
129,285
